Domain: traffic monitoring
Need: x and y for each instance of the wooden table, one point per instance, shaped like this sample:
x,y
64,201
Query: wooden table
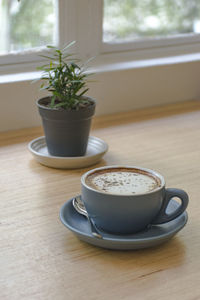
x,y
41,259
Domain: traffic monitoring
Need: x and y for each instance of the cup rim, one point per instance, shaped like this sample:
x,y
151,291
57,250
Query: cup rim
x,y
154,173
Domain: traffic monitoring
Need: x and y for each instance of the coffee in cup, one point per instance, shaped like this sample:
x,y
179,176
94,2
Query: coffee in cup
x,y
125,199
122,181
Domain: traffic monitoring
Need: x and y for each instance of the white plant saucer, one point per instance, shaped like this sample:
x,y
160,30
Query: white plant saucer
x,y
95,151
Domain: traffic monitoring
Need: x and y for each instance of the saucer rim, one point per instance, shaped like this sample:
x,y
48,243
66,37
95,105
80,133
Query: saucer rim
x,y
123,238
42,138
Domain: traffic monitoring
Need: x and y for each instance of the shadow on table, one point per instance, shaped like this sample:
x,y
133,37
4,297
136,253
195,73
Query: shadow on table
x,y
156,259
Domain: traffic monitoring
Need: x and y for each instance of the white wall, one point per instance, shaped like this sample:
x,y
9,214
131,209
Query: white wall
x,y
115,91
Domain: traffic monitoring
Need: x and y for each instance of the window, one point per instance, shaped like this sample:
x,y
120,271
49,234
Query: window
x,y
98,26
26,25
124,51
132,24
131,20
26,28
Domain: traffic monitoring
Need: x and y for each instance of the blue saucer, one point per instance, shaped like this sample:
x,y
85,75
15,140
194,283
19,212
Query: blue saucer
x,y
153,236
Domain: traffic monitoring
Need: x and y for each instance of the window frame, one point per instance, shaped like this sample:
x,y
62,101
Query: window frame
x,y
28,57
151,43
81,20
178,41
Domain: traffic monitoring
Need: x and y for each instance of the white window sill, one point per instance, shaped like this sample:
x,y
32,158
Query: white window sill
x,y
26,76
107,63
133,84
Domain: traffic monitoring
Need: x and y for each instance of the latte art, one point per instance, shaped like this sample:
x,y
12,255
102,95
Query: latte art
x,y
122,182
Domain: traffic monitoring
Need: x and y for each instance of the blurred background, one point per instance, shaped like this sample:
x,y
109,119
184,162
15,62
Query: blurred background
x,y
147,52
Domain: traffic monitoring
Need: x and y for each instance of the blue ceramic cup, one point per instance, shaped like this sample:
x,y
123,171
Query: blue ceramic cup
x,y
128,213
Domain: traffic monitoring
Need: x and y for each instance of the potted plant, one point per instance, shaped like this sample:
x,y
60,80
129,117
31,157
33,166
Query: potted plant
x,y
66,113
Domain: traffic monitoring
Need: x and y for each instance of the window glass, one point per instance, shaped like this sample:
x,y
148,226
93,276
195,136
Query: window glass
x,y
130,20
26,24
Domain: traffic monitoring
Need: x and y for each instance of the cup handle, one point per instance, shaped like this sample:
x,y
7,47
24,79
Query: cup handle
x,y
162,216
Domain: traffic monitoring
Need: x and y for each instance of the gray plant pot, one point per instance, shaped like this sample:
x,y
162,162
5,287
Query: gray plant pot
x,y
66,132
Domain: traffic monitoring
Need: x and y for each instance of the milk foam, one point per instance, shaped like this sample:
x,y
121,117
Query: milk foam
x,y
123,182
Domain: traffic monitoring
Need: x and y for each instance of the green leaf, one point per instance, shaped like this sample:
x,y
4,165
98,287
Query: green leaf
x,y
68,46
83,92
59,104
45,56
52,47
44,87
64,77
75,66
53,101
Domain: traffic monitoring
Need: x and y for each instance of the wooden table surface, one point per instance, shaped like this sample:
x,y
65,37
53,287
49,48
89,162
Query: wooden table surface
x,y
41,259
